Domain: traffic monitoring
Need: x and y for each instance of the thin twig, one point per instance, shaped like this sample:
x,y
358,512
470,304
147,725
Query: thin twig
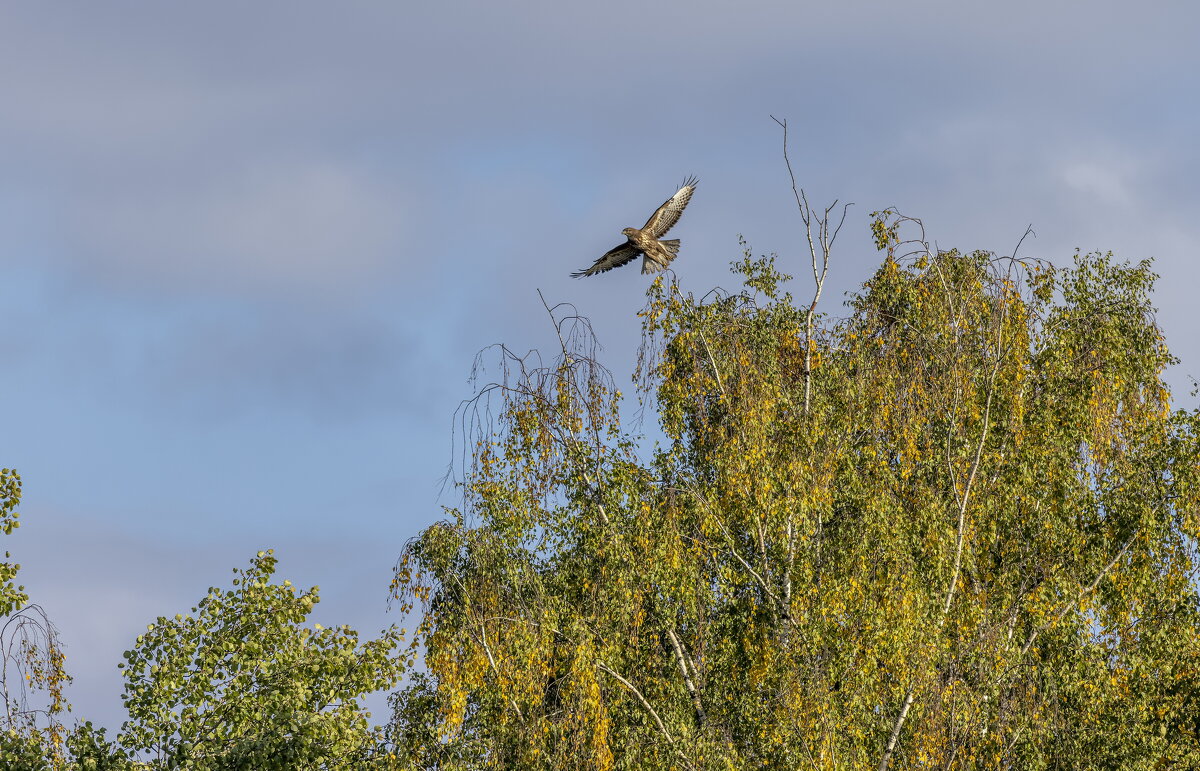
x,y
707,349
763,584
486,648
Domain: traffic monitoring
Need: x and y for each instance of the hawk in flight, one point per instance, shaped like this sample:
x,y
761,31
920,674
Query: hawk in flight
x,y
656,254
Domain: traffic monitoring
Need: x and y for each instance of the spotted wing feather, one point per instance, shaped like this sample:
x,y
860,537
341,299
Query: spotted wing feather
x,y
668,214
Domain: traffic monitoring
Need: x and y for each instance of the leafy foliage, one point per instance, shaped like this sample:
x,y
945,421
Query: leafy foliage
x,y
32,663
241,684
955,528
11,595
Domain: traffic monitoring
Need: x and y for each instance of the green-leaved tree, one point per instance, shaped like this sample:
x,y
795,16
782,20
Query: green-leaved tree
x,y
953,529
243,683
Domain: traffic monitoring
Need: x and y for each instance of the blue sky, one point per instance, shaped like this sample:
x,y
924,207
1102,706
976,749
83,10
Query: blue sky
x,y
250,250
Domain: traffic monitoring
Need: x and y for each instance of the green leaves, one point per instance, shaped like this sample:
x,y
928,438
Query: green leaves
x,y
11,595
241,682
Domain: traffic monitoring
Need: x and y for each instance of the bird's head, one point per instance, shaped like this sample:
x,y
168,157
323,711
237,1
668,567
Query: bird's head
x,y
629,231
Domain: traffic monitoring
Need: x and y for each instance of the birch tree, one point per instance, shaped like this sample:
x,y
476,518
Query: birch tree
x,y
953,527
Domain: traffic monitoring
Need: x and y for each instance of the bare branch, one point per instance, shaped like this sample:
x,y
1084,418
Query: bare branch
x,y
819,250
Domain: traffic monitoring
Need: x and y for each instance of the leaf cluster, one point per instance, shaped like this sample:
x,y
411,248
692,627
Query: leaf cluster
x,y
242,682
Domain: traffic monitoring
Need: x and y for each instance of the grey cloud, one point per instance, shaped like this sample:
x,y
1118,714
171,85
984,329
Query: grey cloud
x,y
306,226
329,366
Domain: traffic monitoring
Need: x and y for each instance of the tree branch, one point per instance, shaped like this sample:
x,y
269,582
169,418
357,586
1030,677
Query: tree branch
x,y
653,714
762,582
890,748
682,660
824,240
1079,598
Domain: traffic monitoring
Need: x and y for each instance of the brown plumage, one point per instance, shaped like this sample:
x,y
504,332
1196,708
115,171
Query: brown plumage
x,y
656,254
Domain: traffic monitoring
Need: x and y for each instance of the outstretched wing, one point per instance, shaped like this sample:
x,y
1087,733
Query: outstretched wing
x,y
668,214
613,258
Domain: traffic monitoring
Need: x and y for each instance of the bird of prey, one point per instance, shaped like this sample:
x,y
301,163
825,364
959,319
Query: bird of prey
x,y
656,254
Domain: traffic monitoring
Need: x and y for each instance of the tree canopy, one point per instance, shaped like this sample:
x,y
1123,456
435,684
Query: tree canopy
x,y
953,528
239,683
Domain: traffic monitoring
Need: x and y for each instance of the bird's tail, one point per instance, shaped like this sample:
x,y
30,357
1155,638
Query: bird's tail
x,y
650,265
